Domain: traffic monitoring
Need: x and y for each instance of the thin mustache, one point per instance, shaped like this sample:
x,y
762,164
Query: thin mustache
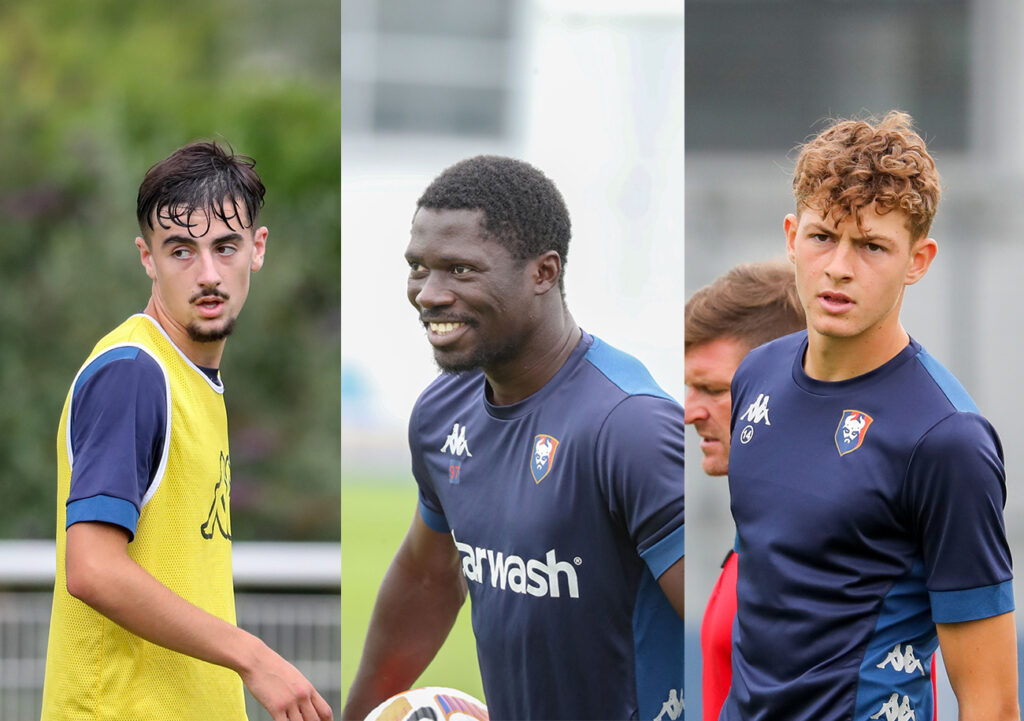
x,y
212,293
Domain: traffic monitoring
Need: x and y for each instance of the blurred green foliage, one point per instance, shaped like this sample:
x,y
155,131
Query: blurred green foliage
x,y
92,95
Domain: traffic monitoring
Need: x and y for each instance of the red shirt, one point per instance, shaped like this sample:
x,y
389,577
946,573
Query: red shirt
x,y
716,642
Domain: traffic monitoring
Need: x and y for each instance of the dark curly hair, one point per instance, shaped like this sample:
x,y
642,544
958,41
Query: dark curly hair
x,y
854,163
201,177
522,208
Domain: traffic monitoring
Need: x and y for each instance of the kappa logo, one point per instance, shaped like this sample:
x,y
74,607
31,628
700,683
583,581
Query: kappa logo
x,y
896,710
903,660
853,426
456,442
544,447
757,411
219,517
673,708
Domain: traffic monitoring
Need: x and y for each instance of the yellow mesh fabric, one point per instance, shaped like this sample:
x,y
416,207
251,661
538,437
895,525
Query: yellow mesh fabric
x,y
96,670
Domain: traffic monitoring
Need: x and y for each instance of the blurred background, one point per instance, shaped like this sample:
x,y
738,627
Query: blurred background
x,y
762,77
93,95
591,93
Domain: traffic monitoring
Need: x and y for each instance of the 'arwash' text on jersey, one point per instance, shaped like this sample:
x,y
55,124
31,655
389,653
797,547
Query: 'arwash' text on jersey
x,y
565,509
95,669
867,511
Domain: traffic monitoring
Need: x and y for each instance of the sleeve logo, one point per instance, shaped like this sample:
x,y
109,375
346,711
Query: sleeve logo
x,y
544,447
853,426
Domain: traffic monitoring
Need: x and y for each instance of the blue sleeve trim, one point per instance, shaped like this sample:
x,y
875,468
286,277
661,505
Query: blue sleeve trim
x,y
665,552
972,603
433,519
624,370
114,354
106,509
948,383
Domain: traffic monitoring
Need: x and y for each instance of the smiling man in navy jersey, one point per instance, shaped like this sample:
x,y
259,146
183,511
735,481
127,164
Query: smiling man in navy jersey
x,y
866,488
550,471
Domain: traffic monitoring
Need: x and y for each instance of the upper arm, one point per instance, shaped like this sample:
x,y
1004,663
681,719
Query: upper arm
x,y
981,660
118,424
93,550
429,555
640,452
672,583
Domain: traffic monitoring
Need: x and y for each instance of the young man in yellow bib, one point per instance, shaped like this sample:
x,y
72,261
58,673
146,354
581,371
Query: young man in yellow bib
x,y
143,623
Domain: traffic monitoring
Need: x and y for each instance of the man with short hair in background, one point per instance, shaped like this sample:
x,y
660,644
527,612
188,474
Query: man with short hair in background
x,y
749,305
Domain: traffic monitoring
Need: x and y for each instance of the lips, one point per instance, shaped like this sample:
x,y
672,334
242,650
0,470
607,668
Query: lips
x,y
834,301
209,306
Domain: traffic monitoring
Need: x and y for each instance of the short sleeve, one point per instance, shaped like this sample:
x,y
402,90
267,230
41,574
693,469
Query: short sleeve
x,y
640,451
429,504
118,425
955,492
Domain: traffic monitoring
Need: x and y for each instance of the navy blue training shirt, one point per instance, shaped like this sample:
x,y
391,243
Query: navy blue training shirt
x,y
117,429
565,508
867,511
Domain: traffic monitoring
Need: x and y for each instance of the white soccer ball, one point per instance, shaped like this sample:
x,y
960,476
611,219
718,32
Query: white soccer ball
x,y
431,703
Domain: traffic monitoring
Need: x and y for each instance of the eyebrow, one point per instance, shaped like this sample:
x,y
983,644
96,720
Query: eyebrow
x,y
189,240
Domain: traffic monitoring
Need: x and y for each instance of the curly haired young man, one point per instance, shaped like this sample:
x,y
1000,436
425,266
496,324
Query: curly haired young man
x,y
866,488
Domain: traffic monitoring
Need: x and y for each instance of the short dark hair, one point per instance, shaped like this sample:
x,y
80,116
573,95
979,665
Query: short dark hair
x,y
200,177
522,208
752,303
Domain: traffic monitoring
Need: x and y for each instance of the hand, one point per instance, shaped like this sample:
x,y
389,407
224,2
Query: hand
x,y
283,691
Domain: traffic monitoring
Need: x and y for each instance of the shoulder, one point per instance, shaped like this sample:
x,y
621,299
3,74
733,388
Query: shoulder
x,y
934,376
622,371
121,368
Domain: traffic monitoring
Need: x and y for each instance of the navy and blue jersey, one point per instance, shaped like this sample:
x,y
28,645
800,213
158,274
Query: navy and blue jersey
x,y
867,511
565,509
118,429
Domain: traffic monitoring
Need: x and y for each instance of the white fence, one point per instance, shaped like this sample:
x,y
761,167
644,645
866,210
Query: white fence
x,y
288,594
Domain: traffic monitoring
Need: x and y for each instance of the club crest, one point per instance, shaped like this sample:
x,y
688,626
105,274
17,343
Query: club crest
x,y
853,426
543,456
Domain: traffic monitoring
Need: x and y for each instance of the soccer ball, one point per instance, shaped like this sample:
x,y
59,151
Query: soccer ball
x,y
432,703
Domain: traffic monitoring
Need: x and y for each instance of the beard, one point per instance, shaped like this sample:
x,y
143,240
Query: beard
x,y
198,335
483,356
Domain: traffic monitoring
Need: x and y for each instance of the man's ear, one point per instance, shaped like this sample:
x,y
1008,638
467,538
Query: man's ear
x,y
546,270
145,257
789,226
259,249
922,253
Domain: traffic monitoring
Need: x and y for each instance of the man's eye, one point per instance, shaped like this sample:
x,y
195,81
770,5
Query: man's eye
x,y
460,269
415,267
181,253
874,247
819,237
227,249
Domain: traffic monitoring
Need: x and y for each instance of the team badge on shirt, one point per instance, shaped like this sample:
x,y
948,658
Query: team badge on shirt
x,y
544,447
853,426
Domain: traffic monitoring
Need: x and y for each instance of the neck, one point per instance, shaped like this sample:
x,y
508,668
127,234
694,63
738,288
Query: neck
x,y
207,355
539,359
837,359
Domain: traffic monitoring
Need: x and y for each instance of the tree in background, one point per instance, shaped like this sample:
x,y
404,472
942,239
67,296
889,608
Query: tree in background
x,y
93,94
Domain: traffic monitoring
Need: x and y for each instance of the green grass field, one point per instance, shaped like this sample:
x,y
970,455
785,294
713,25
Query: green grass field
x,y
375,514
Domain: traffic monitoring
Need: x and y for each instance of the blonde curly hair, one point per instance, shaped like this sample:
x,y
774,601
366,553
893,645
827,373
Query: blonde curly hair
x,y
856,163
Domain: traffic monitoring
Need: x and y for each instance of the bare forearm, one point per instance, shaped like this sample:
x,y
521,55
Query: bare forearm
x,y
981,660
101,574
127,594
412,617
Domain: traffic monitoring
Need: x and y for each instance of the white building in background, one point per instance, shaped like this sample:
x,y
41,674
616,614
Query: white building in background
x,y
589,92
